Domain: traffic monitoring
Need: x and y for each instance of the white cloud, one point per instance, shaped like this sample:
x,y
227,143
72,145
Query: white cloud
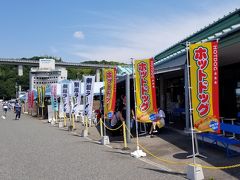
x,y
78,35
144,38
121,54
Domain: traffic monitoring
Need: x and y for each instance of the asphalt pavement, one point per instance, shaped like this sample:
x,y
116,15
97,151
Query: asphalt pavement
x,y
33,150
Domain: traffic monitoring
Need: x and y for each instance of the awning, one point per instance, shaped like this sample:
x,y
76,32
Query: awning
x,y
175,64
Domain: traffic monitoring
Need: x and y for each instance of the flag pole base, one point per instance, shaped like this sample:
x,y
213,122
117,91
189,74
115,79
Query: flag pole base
x,y
138,153
85,133
52,122
105,140
60,124
194,172
125,148
197,155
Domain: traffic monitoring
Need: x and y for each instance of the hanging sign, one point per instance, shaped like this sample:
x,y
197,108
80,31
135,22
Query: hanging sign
x,y
204,83
109,76
145,95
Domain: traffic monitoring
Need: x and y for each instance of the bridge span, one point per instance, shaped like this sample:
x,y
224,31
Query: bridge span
x,y
30,62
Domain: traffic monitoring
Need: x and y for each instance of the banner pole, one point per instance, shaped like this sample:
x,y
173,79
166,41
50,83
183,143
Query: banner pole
x,y
38,110
190,103
128,108
73,121
124,137
42,112
85,130
135,106
138,153
104,128
101,127
65,120
193,172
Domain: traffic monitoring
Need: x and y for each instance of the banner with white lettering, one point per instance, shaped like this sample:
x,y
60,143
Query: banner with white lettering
x,y
76,96
88,92
145,95
43,94
54,97
109,78
39,93
65,97
204,83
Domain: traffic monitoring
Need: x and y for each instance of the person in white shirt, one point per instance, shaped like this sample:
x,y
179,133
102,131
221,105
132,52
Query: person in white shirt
x,y
5,109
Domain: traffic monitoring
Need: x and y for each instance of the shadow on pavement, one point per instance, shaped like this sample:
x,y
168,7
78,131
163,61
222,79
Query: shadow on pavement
x,y
166,172
118,152
215,156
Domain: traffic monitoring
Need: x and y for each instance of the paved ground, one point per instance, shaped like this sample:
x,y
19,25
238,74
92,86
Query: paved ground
x,y
31,149
171,148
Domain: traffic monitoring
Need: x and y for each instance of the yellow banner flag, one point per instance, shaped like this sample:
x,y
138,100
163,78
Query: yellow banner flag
x,y
204,83
109,78
39,92
43,94
145,95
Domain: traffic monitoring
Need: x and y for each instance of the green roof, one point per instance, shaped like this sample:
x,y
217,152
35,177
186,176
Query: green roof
x,y
215,30
122,70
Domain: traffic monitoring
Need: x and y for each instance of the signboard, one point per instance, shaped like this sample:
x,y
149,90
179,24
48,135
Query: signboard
x,y
204,83
145,95
47,64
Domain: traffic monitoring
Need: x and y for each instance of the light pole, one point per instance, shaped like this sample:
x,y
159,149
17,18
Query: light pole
x,y
16,87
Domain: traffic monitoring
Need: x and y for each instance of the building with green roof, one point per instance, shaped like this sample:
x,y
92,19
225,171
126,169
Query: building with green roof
x,y
170,71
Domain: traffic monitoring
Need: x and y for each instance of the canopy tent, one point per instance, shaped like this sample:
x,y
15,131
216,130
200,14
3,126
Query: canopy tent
x,y
24,98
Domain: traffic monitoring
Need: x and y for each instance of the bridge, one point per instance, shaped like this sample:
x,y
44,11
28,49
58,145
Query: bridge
x,y
30,62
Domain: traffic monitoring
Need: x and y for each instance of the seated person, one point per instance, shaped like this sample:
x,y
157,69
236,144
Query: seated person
x,y
160,122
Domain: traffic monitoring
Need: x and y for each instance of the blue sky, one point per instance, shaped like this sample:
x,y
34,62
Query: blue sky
x,y
78,30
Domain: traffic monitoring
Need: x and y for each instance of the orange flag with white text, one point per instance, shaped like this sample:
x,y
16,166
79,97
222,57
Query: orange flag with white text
x,y
145,91
204,83
109,76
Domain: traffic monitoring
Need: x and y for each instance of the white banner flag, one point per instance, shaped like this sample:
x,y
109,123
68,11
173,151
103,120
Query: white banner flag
x,y
88,92
77,96
65,97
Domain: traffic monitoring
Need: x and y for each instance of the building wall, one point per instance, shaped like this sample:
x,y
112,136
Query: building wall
x,y
229,79
39,77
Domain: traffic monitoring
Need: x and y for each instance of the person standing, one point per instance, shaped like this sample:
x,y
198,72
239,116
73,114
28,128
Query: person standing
x,y
5,109
17,110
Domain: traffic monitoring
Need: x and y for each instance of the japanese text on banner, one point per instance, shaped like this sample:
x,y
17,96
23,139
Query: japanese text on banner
x,y
204,83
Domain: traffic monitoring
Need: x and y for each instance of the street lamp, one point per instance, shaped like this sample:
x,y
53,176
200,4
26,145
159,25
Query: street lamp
x,y
16,87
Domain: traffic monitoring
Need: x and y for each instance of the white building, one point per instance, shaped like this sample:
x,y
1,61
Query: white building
x,y
46,73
